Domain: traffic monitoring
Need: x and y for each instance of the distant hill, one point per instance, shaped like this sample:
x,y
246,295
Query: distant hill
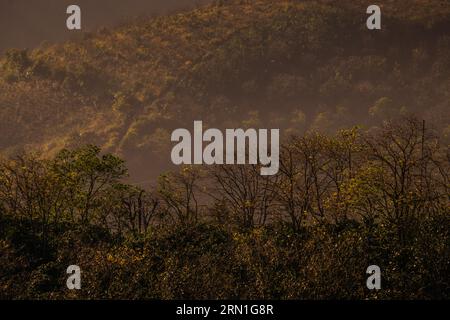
x,y
295,65
26,24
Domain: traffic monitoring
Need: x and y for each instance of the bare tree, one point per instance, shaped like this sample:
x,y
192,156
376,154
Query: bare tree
x,y
178,191
250,195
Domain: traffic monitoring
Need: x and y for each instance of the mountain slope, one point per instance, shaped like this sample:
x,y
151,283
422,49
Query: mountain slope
x,y
296,65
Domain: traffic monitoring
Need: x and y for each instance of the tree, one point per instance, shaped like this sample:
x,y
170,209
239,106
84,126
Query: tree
x,y
85,176
133,209
178,191
250,195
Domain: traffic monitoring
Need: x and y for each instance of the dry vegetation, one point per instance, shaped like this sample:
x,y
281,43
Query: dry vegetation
x,y
345,197
295,65
339,204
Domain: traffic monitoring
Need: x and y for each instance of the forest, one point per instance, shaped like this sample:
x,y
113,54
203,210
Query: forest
x,y
339,204
86,177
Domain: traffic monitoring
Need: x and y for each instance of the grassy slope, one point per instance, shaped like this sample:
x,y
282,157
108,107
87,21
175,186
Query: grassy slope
x,y
290,64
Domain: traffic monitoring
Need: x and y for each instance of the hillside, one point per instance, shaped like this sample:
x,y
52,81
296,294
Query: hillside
x,y
296,65
362,181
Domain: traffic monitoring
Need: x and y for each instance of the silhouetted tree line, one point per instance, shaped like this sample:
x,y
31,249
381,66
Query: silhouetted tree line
x,y
339,204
